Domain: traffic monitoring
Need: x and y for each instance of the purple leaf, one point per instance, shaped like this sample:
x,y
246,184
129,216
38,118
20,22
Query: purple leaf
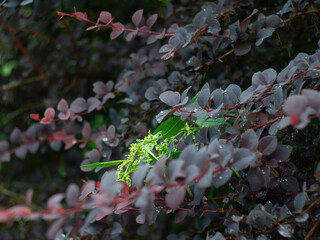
x,y
93,104
267,145
258,177
102,212
175,197
151,39
102,89
173,28
245,23
295,104
81,16
221,177
86,130
159,167
137,17
265,78
203,97
109,184
170,98
55,228
263,34
242,49
72,195
160,116
272,20
257,218
299,202
286,230
55,200
21,151
290,184
79,105
105,17
217,96
63,107
217,236
249,140
33,148
151,20
166,48
246,95
206,180
92,156
302,218
192,171
313,98
16,136
243,158
131,35
117,28
139,175
174,170
234,92
282,153
87,189
4,146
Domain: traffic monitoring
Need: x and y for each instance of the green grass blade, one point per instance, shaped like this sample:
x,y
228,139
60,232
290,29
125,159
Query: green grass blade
x,y
103,164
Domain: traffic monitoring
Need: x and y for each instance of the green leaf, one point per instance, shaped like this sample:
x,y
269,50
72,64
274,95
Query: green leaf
x,y
175,155
170,127
103,164
194,99
154,158
208,122
7,68
174,128
163,125
236,173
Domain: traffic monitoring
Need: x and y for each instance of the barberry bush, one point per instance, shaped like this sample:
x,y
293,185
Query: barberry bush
x,y
200,121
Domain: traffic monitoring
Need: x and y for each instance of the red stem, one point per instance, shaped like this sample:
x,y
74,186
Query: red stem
x,y
22,49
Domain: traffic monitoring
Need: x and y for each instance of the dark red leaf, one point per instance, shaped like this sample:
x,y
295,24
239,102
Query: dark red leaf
x,y
35,116
48,116
294,119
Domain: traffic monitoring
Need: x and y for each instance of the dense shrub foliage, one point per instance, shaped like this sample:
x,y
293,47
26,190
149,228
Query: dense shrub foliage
x,y
202,122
